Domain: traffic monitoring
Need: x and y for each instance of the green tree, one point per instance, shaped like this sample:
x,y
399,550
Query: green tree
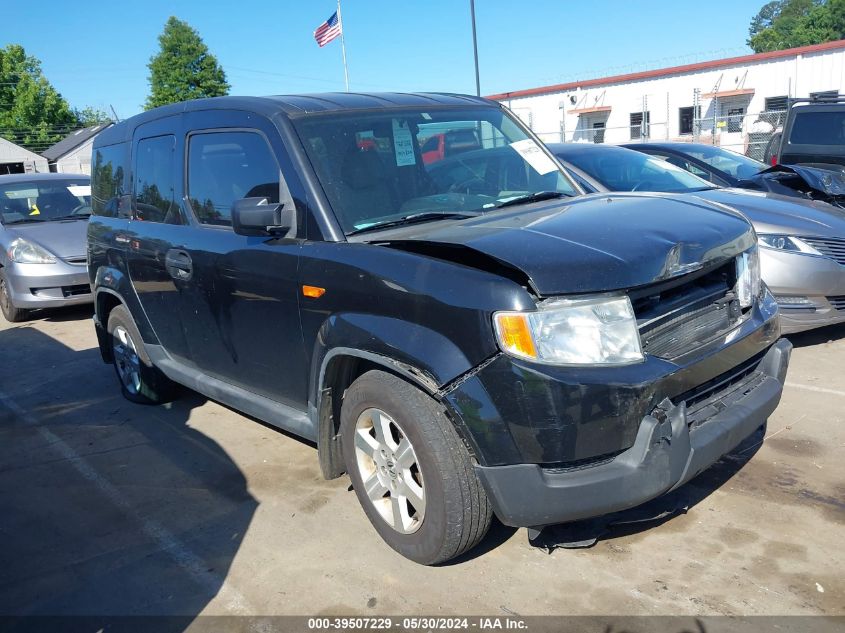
x,y
784,24
32,113
89,116
184,68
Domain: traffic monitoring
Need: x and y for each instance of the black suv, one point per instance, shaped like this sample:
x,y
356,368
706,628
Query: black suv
x,y
813,134
473,339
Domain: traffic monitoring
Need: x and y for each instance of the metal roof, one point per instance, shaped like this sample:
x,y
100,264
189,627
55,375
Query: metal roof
x,y
299,105
72,141
673,70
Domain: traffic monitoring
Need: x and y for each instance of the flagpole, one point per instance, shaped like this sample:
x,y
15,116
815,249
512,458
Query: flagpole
x,y
343,46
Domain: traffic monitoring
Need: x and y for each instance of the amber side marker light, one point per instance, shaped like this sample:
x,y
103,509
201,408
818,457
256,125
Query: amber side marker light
x,y
515,334
315,292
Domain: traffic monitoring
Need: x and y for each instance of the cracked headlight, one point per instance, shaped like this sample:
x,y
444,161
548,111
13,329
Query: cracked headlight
x,y
25,252
748,286
786,243
594,331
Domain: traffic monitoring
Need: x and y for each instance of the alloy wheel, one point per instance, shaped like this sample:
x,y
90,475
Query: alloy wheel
x,y
126,359
390,471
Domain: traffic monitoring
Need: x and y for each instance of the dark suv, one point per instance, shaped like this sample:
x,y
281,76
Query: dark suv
x,y
484,341
813,134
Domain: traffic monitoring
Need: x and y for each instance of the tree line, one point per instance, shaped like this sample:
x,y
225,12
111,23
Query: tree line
x,y
784,24
34,114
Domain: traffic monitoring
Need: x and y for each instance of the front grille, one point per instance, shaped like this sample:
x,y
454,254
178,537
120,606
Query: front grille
x,y
75,291
833,247
713,396
837,302
77,261
677,319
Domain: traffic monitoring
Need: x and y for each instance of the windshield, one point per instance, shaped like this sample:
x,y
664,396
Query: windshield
x,y
736,165
626,170
395,164
818,128
45,200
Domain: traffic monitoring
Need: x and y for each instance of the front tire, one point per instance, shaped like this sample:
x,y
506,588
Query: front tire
x,y
411,472
140,381
10,312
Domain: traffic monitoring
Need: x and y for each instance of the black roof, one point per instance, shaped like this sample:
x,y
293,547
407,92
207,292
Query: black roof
x,y
294,106
574,149
73,140
678,146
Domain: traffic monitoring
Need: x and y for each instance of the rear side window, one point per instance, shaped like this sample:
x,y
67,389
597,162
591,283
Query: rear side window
x,y
155,185
818,128
226,166
107,182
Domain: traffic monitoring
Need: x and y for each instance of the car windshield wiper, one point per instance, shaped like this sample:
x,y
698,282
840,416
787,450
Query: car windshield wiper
x,y
24,221
413,219
538,196
72,216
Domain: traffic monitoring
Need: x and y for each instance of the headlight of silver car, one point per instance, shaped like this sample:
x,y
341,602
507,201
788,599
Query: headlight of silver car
x,y
25,252
592,331
786,243
748,277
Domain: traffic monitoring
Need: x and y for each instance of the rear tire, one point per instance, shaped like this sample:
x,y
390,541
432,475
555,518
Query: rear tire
x,y
411,472
10,312
140,381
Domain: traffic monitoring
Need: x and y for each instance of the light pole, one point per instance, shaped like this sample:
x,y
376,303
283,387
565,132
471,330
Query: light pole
x,y
475,48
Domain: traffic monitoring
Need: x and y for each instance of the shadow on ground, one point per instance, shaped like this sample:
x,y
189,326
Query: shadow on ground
x,y
819,336
580,534
109,508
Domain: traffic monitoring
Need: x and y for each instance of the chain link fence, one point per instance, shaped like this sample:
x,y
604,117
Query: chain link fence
x,y
751,134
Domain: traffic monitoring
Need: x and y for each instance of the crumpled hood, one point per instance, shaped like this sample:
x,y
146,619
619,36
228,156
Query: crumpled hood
x,y
774,213
63,238
593,243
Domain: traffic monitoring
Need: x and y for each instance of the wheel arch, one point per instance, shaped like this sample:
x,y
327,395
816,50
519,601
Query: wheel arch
x,y
340,367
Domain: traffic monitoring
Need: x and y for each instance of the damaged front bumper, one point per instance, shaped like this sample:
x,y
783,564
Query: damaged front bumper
x,y
673,444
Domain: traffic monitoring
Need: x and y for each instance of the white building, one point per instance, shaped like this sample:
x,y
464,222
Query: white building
x,y
72,155
739,97
14,159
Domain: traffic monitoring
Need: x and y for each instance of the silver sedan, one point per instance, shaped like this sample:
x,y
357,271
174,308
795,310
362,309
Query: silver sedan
x,y
43,227
802,242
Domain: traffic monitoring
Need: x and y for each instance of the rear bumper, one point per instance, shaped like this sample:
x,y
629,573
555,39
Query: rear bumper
x,y
671,447
48,285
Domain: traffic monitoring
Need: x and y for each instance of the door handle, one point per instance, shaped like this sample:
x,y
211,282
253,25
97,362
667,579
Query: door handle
x,y
179,265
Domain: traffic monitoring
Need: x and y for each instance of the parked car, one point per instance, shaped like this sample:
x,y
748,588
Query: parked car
x,y
719,166
815,134
445,144
42,242
724,168
459,350
802,254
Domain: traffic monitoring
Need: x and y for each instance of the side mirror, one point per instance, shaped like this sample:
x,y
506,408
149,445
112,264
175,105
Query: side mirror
x,y
258,217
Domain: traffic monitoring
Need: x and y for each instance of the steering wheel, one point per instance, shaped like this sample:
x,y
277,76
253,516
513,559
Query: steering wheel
x,y
645,185
81,209
468,186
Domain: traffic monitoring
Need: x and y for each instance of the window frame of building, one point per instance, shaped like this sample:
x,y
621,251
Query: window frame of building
x,y
640,130
776,104
733,120
694,113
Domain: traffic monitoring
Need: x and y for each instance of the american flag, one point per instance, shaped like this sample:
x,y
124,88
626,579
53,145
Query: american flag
x,y
328,30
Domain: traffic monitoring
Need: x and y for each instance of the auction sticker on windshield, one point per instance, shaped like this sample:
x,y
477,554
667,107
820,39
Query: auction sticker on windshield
x,y
403,144
534,156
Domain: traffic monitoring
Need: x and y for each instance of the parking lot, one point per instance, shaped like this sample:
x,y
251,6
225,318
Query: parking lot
x,y
115,508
